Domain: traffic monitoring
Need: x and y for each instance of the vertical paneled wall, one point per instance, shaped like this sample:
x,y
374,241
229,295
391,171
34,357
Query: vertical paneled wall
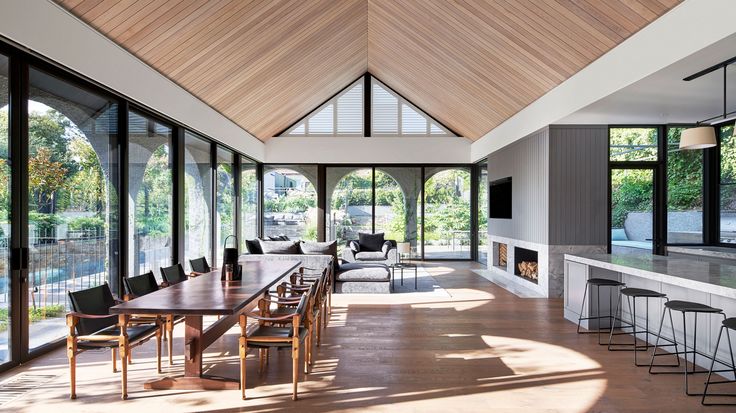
x,y
527,163
578,184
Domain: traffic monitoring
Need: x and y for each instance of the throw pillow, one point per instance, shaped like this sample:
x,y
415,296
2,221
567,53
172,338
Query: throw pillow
x,y
321,248
253,246
279,247
370,242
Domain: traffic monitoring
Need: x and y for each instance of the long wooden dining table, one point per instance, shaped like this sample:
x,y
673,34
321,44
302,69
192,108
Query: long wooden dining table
x,y
207,295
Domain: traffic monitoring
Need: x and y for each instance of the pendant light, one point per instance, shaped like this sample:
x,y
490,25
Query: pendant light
x,y
703,135
700,137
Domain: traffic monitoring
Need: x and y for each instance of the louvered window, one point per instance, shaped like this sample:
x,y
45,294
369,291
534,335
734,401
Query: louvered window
x,y
391,115
340,116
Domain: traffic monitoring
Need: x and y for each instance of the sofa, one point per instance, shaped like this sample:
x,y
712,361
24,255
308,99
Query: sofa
x,y
371,248
361,277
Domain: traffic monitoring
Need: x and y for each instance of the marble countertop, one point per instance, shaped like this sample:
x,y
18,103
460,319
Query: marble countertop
x,y
701,275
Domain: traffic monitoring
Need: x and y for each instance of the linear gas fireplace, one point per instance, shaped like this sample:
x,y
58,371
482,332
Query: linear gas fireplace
x,y
526,264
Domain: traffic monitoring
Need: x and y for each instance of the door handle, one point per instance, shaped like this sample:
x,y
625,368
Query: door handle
x,y
24,261
16,262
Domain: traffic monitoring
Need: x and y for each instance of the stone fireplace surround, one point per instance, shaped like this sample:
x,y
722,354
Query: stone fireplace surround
x,y
551,264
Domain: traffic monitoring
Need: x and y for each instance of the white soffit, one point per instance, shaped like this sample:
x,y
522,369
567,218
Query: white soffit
x,y
684,30
47,29
663,97
371,150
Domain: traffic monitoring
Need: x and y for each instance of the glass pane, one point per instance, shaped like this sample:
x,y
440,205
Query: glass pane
x,y
249,201
728,214
197,199
350,111
349,203
72,199
728,155
225,200
322,122
412,122
728,189
290,202
4,214
150,189
384,111
483,214
632,219
447,213
684,192
633,144
398,194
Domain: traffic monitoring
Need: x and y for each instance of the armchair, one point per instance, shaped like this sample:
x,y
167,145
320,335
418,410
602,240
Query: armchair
x,y
371,248
91,327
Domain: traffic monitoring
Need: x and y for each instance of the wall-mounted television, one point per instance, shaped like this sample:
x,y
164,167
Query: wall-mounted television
x,y
499,198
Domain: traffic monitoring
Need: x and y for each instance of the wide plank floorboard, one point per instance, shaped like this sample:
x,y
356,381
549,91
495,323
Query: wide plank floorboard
x,y
460,344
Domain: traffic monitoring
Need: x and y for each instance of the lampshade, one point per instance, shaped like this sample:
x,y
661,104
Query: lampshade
x,y
698,138
403,247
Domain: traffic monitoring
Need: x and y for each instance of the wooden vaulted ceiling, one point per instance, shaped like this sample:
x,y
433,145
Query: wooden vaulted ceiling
x,y
471,64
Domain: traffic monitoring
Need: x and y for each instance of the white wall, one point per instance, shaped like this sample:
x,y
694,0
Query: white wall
x,y
421,150
684,30
47,29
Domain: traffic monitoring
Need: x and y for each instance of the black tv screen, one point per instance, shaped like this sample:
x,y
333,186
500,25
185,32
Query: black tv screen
x,y
499,198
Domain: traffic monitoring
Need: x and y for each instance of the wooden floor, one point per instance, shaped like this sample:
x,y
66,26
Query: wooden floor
x,y
464,345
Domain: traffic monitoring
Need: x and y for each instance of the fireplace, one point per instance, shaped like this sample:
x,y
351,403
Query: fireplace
x,y
526,264
500,255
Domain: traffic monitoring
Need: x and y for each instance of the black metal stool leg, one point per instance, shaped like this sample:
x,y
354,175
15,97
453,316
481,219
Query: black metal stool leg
x,y
582,307
656,342
618,309
712,364
711,370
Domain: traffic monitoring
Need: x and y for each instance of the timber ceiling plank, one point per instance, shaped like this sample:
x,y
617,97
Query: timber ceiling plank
x,y
471,64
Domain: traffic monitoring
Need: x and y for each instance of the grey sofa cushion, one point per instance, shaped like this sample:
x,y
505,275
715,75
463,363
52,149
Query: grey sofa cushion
x,y
279,247
253,246
370,256
370,242
320,248
364,272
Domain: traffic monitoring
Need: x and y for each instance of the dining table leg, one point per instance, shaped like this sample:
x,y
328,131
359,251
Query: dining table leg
x,y
193,378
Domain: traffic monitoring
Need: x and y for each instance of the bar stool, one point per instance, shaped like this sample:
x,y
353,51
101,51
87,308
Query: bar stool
x,y
684,307
634,293
598,283
727,324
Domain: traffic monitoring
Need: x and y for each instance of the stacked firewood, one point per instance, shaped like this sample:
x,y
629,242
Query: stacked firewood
x,y
529,269
502,255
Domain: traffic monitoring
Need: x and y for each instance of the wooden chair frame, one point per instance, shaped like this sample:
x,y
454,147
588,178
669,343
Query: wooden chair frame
x,y
124,346
294,341
169,321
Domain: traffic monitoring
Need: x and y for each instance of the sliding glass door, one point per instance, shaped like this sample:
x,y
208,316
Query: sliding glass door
x,y
72,199
150,199
5,222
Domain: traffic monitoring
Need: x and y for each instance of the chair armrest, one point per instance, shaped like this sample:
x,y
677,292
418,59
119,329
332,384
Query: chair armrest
x,y
348,255
279,318
89,316
98,337
280,300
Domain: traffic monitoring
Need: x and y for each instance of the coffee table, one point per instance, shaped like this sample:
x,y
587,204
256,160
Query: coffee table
x,y
401,266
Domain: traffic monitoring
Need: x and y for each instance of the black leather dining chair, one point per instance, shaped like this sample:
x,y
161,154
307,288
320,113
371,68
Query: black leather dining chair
x,y
92,327
173,274
200,266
